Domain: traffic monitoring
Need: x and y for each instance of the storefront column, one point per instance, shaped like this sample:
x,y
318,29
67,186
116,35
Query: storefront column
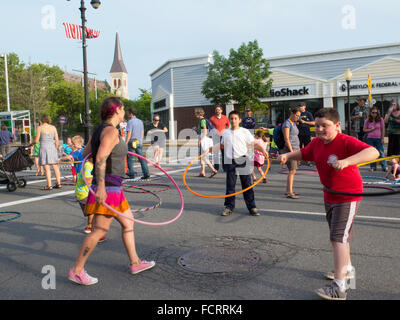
x,y
229,107
341,110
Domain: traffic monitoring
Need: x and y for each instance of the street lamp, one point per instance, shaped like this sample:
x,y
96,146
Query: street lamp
x,y
6,76
347,76
95,4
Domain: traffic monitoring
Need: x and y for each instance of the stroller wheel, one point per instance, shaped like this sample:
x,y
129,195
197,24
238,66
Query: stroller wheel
x,y
11,186
21,183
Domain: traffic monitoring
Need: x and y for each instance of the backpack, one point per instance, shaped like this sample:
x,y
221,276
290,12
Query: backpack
x,y
210,126
279,139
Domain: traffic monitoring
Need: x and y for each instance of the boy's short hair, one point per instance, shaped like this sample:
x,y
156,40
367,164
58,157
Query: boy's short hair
x,y
234,112
77,139
132,111
328,113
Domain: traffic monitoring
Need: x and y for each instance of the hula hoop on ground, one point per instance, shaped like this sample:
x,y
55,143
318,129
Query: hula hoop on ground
x,y
148,208
133,219
67,182
128,187
17,215
381,180
224,196
307,171
375,194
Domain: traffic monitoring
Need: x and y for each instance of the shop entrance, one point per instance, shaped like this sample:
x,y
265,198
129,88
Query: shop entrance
x,y
281,109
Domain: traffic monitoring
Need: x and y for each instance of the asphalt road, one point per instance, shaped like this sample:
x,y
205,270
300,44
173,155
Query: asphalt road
x,y
290,240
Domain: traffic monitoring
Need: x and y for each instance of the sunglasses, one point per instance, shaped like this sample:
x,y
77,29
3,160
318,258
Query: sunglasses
x,y
374,112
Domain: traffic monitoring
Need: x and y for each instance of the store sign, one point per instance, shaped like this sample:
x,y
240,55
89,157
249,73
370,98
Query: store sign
x,y
386,85
287,92
293,92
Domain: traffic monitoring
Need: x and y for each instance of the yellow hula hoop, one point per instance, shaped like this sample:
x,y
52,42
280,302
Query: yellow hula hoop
x,y
377,160
227,195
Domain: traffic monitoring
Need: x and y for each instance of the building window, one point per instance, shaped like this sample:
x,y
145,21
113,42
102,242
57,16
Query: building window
x,y
119,82
160,104
115,82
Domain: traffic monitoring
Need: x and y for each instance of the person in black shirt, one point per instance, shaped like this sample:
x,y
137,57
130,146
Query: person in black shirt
x,y
158,138
305,121
249,122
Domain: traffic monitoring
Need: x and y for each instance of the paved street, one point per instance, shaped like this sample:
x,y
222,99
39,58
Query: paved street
x,y
289,244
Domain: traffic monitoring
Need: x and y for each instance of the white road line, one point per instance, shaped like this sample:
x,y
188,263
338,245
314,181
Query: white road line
x,y
60,194
49,196
323,214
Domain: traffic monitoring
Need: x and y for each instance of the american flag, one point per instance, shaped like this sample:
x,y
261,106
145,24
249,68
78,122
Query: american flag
x,y
74,31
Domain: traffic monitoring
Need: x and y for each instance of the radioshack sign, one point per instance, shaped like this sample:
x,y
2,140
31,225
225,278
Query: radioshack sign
x,y
293,92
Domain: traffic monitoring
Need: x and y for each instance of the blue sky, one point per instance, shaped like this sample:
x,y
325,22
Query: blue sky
x,y
154,31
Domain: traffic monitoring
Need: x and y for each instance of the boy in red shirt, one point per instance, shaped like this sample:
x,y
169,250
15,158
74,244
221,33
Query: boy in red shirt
x,y
336,157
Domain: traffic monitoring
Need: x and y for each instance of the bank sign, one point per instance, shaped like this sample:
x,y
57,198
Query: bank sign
x,y
360,87
293,92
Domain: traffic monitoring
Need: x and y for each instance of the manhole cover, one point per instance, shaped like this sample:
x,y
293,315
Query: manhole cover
x,y
213,260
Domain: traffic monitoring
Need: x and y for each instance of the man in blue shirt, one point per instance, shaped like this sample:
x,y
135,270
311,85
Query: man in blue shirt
x,y
134,138
249,122
5,140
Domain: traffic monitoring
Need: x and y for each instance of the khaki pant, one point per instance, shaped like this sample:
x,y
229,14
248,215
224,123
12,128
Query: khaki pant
x,y
4,149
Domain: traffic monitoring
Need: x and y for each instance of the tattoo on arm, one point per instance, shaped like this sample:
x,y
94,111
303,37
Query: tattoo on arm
x,y
85,252
101,169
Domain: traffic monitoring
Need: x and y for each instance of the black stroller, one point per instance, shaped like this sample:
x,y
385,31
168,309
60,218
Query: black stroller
x,y
17,160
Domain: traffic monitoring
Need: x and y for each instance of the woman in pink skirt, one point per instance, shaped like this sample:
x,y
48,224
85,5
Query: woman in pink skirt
x,y
108,151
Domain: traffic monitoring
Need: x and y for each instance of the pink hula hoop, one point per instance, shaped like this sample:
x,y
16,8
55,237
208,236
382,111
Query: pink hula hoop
x,y
133,219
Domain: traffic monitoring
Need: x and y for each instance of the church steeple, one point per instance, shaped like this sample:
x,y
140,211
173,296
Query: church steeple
x,y
118,64
118,72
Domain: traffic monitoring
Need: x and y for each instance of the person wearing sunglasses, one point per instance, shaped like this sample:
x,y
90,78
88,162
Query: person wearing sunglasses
x,y
374,127
158,137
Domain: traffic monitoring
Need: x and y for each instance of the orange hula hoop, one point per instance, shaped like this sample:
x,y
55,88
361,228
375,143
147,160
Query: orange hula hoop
x,y
227,195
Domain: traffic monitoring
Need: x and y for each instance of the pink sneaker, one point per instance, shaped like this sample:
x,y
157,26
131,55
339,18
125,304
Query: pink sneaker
x,y
82,278
144,265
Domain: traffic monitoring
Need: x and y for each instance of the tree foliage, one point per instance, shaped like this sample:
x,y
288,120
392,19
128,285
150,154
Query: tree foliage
x,y
42,89
242,77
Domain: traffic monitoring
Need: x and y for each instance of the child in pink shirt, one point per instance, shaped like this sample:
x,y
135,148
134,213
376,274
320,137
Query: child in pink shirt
x,y
259,159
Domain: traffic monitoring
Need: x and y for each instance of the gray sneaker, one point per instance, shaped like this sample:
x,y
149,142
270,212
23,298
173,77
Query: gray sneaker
x,y
331,292
350,275
226,212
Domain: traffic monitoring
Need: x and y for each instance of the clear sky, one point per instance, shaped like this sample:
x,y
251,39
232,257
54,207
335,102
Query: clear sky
x,y
154,31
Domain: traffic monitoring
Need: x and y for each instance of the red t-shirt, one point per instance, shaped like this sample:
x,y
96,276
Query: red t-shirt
x,y
346,180
220,124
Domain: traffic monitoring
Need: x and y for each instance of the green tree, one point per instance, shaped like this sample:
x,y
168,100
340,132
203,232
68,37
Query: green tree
x,y
242,77
28,85
142,105
15,70
219,80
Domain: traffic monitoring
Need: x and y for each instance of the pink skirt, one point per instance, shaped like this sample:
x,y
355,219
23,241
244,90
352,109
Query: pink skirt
x,y
115,199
